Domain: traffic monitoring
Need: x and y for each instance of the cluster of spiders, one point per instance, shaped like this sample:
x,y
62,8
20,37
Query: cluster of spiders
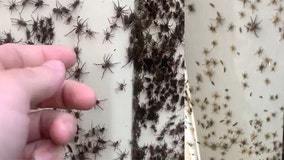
x,y
90,143
81,28
120,12
233,117
157,30
38,30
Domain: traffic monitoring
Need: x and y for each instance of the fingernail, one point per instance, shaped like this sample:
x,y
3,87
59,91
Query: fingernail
x,y
70,127
54,64
56,154
43,156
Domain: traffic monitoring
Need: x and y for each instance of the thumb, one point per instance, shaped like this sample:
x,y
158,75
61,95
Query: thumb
x,y
44,150
31,85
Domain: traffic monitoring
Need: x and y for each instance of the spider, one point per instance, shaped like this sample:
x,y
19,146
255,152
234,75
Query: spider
x,y
191,7
24,3
65,10
90,33
79,28
253,25
38,4
19,22
101,141
35,25
108,35
98,103
12,5
231,27
101,129
119,10
115,144
122,155
218,19
9,38
130,56
107,65
128,20
77,73
96,150
58,10
28,34
113,25
77,51
121,86
74,4
77,114
81,155
68,19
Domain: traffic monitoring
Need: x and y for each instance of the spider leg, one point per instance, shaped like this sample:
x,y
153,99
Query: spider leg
x,y
127,64
78,36
84,21
115,63
34,10
103,73
110,70
255,34
70,32
115,6
98,63
252,19
70,75
109,57
99,106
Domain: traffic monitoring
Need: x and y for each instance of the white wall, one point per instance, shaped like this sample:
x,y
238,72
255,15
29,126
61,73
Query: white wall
x,y
243,106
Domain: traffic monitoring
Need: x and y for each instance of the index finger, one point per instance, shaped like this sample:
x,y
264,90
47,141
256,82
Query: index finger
x,y
19,56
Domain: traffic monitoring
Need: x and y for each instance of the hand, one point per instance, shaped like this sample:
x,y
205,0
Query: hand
x,y
33,77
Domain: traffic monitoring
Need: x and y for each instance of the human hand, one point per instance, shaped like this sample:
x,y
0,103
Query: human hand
x,y
33,77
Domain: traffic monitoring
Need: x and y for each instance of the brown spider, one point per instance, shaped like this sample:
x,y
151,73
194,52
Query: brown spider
x,y
79,28
12,5
20,22
77,73
77,51
115,144
130,56
38,4
108,35
191,7
121,86
90,33
97,149
122,155
107,65
113,25
253,26
24,3
77,114
98,103
73,5
119,10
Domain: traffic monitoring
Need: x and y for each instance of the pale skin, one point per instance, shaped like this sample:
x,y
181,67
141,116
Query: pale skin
x,y
33,77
